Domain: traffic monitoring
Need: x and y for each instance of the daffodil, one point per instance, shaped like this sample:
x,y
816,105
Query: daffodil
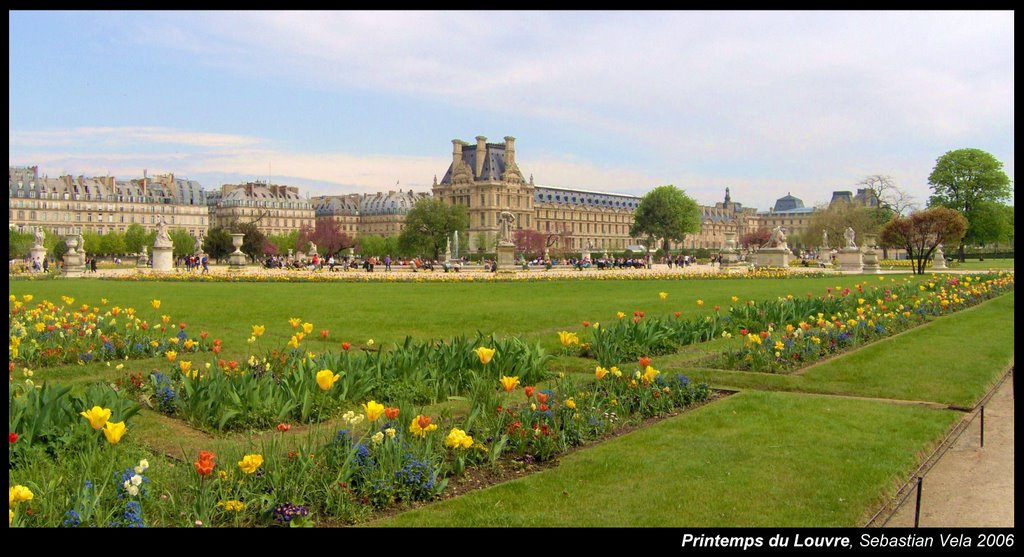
x,y
113,432
485,354
97,416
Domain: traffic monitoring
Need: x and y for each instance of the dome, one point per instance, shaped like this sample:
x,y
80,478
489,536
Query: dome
x,y
787,203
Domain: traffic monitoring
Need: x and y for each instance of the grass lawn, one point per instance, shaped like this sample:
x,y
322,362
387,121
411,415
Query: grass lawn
x,y
388,312
754,459
783,452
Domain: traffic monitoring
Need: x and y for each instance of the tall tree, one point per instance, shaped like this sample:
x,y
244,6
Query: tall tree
x,y
252,243
135,236
429,224
283,242
922,231
93,243
666,213
183,241
217,243
965,178
19,243
113,243
991,223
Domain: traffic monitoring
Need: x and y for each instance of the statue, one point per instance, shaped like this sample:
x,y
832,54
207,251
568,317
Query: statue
x,y
824,238
849,236
590,245
505,222
40,237
778,238
197,247
312,248
163,239
143,251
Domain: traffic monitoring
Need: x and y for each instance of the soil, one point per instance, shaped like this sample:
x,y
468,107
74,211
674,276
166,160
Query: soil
x,y
971,486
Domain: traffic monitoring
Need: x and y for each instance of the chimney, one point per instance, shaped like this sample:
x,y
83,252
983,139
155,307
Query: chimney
x,y
481,153
456,151
510,150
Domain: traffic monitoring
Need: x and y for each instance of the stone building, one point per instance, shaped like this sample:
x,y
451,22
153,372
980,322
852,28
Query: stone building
x,y
275,209
486,179
381,214
71,205
789,213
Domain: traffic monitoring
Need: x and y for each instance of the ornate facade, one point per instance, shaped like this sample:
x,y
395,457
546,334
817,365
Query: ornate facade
x,y
71,205
275,209
486,179
381,214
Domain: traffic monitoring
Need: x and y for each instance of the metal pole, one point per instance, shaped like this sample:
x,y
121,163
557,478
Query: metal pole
x,y
917,510
983,426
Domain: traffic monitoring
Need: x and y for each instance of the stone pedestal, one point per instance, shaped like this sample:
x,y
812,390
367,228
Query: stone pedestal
x,y
163,258
825,258
236,260
585,255
142,262
851,260
773,257
37,253
74,265
506,257
871,261
939,260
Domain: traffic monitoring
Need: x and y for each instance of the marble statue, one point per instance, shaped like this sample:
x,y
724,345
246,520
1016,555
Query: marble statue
x,y
849,236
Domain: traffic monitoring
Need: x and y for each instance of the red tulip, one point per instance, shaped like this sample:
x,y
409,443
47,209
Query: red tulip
x,y
283,427
346,345
644,362
12,437
391,412
529,391
542,398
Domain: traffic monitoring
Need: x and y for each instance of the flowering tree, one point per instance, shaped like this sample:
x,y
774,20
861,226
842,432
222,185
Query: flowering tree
x,y
529,241
922,231
327,236
758,237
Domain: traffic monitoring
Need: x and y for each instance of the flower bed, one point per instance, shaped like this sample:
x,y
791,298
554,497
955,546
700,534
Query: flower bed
x,y
385,455
783,348
294,385
265,275
49,334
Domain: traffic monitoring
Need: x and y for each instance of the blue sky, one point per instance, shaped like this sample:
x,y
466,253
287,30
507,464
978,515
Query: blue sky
x,y
336,102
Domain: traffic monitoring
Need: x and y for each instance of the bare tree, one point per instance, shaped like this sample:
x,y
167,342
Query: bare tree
x,y
888,194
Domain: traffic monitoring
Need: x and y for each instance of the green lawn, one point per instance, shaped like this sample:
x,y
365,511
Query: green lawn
x,y
754,459
387,312
763,457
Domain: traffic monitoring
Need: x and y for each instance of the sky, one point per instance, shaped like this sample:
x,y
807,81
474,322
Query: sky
x,y
766,103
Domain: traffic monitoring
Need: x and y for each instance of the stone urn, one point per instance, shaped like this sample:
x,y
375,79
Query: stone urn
x,y
72,243
237,240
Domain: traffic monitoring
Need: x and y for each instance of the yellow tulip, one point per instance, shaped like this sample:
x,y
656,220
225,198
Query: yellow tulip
x,y
663,295
250,463
457,438
509,383
155,304
113,432
17,494
171,355
294,342
326,379
649,374
307,328
294,322
600,372
620,315
97,416
485,354
373,410
258,330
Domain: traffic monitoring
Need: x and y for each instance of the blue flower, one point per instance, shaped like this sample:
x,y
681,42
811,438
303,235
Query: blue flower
x,y
73,519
